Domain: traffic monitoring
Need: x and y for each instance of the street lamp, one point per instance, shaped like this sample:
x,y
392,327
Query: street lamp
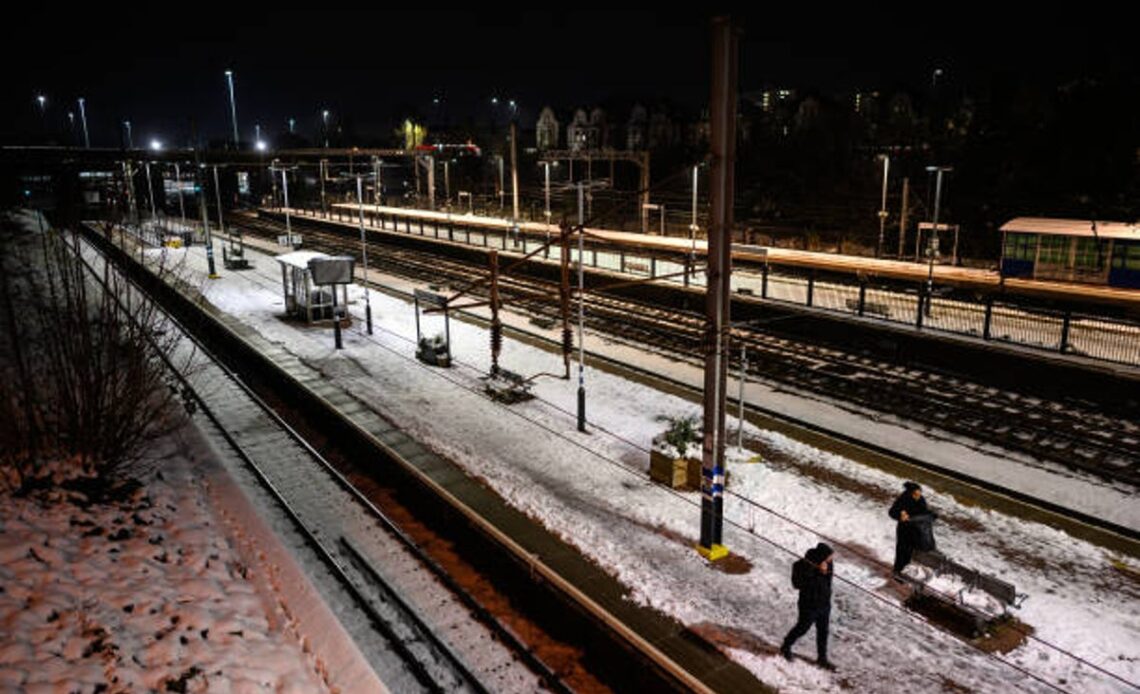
x,y
130,139
883,207
42,101
83,119
261,146
932,247
233,105
581,310
325,116
364,252
181,204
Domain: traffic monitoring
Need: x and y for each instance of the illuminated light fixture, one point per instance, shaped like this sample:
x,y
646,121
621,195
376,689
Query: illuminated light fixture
x,y
261,146
155,145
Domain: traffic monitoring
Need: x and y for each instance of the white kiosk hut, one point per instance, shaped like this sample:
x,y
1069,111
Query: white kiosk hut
x,y
303,298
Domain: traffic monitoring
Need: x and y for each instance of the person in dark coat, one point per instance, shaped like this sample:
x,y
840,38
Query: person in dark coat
x,y
812,576
911,512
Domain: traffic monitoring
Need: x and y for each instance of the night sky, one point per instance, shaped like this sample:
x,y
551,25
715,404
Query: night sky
x,y
373,68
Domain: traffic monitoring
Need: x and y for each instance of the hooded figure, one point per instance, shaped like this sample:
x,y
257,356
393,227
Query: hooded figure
x,y
914,530
812,577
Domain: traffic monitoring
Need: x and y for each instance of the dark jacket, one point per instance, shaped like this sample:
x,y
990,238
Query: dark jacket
x,y
813,584
918,531
906,502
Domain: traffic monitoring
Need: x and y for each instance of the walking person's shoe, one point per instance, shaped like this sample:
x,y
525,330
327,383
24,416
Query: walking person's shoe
x,y
827,665
786,651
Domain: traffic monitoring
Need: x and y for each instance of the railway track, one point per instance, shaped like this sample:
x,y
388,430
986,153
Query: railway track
x,y
1070,434
408,599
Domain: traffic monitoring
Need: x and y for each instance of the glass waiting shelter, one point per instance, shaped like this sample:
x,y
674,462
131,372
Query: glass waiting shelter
x,y
303,299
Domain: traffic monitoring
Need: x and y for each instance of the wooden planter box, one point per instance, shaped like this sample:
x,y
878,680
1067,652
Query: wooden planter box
x,y
674,472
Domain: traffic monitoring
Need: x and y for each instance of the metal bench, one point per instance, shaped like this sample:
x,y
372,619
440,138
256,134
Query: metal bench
x,y
939,563
508,387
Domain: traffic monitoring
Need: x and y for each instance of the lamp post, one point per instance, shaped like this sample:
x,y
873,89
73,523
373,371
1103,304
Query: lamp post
x,y
233,105
581,309
218,202
693,224
883,207
932,246
150,192
211,268
83,119
130,139
181,205
325,118
41,100
376,190
364,252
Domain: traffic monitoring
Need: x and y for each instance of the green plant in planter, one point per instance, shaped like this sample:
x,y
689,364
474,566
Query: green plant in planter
x,y
681,433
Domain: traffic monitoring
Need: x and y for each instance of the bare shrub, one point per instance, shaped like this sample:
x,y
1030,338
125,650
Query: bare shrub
x,y
86,357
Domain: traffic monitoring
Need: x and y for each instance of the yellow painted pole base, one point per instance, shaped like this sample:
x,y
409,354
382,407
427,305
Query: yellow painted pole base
x,y
713,553
215,277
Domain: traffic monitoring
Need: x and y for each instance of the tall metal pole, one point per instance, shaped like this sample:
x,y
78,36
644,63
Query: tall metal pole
x,y
431,181
743,378
903,215
546,208
502,185
717,296
83,119
150,192
132,203
364,253
233,105
581,309
323,169
218,201
932,248
130,140
883,208
693,223
546,192
285,192
514,175
181,204
377,184
447,184
213,273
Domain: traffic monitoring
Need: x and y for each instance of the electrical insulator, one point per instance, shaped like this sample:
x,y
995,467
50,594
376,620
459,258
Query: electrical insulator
x,y
496,337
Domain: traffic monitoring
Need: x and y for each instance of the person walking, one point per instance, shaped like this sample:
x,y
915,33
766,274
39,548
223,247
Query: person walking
x,y
812,577
914,529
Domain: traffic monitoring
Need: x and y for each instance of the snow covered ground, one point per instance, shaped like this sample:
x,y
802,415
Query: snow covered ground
x,y
148,594
592,489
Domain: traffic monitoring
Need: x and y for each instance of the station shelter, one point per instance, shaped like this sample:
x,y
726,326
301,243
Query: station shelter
x,y
304,299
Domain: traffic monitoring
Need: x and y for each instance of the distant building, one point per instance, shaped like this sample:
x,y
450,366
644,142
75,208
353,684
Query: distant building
x,y
663,132
636,128
598,135
577,133
546,130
